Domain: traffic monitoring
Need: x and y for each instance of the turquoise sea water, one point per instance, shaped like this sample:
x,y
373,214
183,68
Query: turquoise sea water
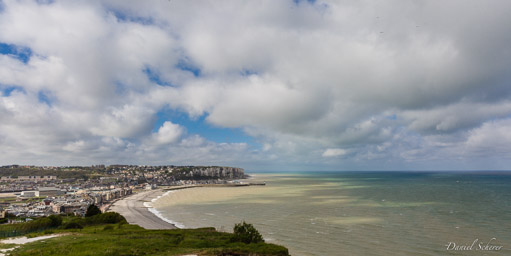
x,y
362,213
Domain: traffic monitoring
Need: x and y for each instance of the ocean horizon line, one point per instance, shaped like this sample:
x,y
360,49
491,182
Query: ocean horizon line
x,y
376,171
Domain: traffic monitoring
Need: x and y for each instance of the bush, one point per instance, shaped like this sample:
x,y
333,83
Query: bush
x,y
111,218
56,220
73,225
37,224
246,233
105,218
92,210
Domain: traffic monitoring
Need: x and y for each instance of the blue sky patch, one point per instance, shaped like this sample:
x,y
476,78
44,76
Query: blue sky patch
x,y
44,97
187,66
122,17
248,72
154,76
43,2
297,2
7,89
392,117
202,128
120,87
19,52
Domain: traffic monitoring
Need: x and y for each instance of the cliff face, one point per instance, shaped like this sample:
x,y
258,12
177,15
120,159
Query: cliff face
x,y
217,172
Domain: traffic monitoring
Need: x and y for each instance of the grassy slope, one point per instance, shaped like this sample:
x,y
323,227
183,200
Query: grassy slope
x,y
115,239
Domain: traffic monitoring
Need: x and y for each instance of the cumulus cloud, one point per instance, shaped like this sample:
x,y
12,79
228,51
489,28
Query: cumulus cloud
x,y
394,84
168,133
127,122
458,116
492,138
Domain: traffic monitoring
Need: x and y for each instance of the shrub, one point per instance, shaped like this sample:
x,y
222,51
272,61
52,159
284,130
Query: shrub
x,y
92,210
246,233
105,218
73,225
55,220
39,224
111,217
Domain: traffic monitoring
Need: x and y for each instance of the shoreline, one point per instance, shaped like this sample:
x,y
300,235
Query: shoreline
x,y
137,212
137,208
158,214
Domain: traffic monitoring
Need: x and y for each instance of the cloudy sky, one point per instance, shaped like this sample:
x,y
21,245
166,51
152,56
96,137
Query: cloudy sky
x,y
264,85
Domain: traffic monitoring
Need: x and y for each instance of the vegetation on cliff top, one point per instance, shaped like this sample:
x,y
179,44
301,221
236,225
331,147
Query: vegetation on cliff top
x,y
96,237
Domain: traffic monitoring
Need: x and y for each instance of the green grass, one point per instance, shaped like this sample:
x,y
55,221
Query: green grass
x,y
6,246
125,239
10,227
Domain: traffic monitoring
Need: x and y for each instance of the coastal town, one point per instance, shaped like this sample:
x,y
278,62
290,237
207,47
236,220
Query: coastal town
x,y
36,191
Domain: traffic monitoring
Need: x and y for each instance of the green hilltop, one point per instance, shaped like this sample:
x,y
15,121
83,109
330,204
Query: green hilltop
x,y
109,234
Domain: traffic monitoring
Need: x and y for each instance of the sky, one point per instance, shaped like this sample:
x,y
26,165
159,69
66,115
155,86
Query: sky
x,y
262,85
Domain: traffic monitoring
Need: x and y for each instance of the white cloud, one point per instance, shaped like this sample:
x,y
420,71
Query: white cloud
x,y
168,133
458,116
391,83
492,138
126,122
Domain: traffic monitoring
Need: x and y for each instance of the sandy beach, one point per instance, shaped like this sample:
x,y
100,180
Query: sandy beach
x,y
137,208
135,212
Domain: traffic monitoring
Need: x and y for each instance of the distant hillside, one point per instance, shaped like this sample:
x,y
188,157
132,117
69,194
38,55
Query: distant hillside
x,y
60,172
86,172
200,172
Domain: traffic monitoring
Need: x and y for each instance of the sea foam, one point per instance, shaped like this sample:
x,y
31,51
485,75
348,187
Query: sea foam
x,y
158,214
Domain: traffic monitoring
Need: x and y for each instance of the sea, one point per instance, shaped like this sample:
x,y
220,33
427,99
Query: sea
x,y
359,213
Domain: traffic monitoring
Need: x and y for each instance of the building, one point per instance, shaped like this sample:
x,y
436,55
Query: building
x,y
29,193
50,191
36,178
76,209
